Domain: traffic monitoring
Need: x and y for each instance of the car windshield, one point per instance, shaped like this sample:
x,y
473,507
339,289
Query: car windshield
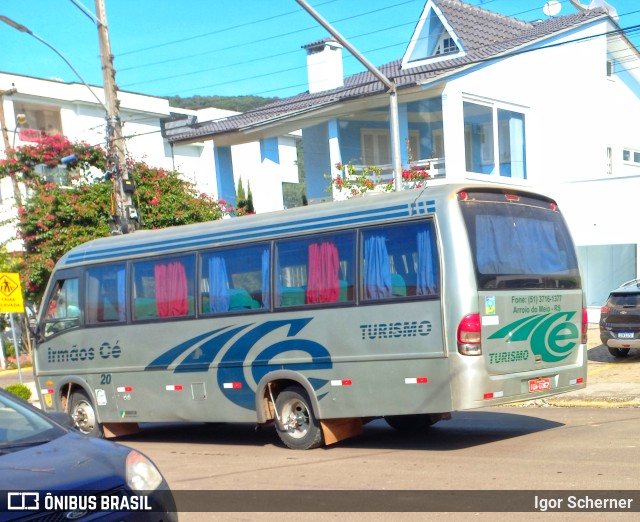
x,y
21,427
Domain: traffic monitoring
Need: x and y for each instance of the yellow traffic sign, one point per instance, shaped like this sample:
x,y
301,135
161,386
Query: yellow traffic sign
x,y
11,300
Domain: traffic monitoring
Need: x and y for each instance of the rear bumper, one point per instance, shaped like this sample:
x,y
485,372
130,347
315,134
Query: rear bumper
x,y
610,340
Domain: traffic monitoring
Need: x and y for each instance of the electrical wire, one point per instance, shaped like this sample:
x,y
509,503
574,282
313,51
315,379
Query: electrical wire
x,y
263,58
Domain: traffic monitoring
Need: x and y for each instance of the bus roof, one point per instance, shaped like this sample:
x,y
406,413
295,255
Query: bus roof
x,y
373,208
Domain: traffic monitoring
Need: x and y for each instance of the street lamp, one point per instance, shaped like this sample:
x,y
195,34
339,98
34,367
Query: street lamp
x,y
21,119
24,29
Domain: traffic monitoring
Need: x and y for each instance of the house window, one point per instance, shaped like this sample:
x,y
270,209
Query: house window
x,y
631,157
437,143
482,149
445,45
376,147
41,120
610,68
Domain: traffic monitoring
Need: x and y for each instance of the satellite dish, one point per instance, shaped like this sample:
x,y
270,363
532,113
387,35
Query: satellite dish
x,y
551,8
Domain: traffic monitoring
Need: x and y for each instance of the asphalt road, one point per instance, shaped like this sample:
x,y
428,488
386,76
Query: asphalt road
x,y
482,458
586,440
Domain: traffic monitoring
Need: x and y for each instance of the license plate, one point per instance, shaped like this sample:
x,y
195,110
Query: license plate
x,y
625,335
536,385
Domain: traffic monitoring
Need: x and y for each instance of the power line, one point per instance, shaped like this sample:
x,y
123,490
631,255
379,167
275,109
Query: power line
x,y
239,26
264,58
621,31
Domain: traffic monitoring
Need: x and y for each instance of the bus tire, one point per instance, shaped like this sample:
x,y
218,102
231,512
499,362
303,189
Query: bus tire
x,y
84,414
619,352
411,423
296,425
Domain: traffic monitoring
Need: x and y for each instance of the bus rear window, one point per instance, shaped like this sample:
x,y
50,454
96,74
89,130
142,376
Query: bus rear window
x,y
519,242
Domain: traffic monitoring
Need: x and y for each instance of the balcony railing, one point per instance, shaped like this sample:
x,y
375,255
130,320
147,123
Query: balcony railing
x,y
435,167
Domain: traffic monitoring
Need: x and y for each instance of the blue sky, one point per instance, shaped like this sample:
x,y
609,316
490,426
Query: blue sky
x,y
222,47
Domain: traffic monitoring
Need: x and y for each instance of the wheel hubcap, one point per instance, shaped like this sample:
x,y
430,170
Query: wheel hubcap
x,y
84,417
295,418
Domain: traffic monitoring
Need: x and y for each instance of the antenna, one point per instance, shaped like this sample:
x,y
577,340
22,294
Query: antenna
x,y
552,8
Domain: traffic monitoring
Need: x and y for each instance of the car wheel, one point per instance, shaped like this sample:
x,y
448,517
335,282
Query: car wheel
x,y
619,352
296,425
84,414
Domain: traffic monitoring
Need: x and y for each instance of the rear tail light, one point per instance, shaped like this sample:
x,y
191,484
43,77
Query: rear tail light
x,y
469,338
585,325
604,310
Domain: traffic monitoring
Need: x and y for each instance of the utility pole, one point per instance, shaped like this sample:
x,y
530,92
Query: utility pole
x,y
5,136
124,213
387,82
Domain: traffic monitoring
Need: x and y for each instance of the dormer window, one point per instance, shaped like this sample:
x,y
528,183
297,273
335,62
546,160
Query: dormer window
x,y
434,40
445,45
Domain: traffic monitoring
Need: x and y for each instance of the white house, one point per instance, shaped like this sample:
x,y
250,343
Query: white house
x,y
552,104
53,107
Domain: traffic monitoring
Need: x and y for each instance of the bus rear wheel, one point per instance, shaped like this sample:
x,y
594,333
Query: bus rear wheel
x,y
84,414
296,425
412,423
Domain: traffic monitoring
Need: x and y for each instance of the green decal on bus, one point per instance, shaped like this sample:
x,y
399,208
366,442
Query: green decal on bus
x,y
552,336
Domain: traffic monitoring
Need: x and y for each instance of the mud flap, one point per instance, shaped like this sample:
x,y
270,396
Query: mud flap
x,y
335,430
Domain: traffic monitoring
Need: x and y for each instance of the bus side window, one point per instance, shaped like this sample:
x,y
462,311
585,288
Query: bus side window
x,y
400,261
106,294
316,270
163,288
63,307
235,279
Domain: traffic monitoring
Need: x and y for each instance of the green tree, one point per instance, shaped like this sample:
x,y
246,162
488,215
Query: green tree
x,y
55,218
240,194
244,201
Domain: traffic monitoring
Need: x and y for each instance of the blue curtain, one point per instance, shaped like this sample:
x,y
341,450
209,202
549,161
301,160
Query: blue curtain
x,y
218,285
266,296
427,269
121,283
377,272
505,245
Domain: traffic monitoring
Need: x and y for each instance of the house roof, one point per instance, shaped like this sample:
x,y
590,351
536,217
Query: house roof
x,y
484,34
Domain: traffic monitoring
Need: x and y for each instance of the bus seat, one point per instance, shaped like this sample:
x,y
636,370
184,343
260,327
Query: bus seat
x,y
145,308
241,300
398,286
293,296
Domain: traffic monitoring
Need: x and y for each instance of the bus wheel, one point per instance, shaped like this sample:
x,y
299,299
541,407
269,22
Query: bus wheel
x,y
297,427
411,423
619,352
84,415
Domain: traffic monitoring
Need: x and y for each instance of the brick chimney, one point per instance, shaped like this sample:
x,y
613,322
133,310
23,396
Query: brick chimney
x,y
324,65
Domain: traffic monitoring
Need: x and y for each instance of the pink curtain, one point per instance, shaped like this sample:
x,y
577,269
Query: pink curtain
x,y
323,284
171,289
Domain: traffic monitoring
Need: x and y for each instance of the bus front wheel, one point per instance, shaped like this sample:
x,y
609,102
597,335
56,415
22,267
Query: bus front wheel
x,y
84,414
296,425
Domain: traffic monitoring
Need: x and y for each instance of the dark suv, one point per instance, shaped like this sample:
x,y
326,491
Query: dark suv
x,y
620,319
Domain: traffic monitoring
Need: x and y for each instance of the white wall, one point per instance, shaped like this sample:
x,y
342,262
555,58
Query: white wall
x,y
83,119
265,176
557,89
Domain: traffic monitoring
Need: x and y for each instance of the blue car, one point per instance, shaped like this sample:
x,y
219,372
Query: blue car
x,y
49,471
